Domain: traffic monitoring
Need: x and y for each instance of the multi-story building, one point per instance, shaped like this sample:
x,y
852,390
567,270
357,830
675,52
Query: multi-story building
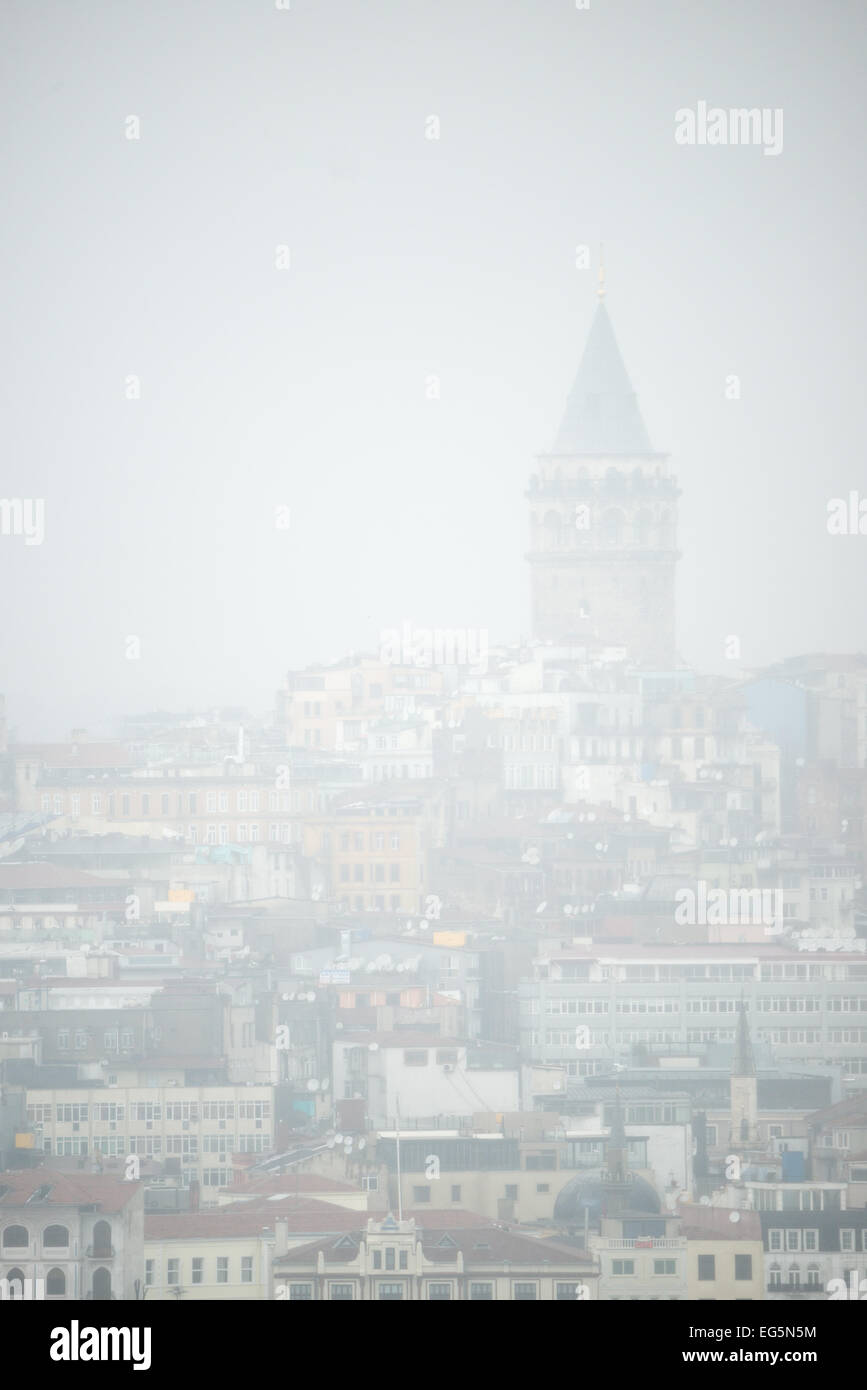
x,y
681,1001
399,1261
200,1127
73,1236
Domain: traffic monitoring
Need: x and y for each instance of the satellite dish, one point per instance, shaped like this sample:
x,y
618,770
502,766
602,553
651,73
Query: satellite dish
x,y
312,1085
311,996
705,1201
324,1084
329,1143
373,1047
338,1138
734,1216
362,1143
541,907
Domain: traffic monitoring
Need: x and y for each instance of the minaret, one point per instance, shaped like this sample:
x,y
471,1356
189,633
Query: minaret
x,y
603,516
744,1088
616,1177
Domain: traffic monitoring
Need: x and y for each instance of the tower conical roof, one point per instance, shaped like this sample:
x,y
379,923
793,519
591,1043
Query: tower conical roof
x,y
602,415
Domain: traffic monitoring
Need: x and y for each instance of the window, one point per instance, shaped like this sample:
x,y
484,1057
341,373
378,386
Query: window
x,y
174,1272
55,1236
847,1240
300,1293
421,1194
416,1058
707,1267
55,1284
481,1292
246,1269
150,1273
743,1266
456,1196
511,1192
566,1292
198,1269
775,1240
222,1269
524,1293
439,1293
15,1238
622,1267
665,1266
341,1293
391,1293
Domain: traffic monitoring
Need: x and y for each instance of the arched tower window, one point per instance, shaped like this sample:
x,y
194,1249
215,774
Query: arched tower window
x,y
641,528
551,531
612,526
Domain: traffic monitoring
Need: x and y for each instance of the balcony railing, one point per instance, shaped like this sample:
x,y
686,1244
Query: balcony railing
x,y
100,1252
641,1242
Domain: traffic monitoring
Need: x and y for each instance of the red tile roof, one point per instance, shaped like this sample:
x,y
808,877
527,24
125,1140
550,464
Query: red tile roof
x,y
65,1189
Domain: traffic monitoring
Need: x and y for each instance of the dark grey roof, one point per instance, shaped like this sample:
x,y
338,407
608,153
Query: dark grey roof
x,y
602,415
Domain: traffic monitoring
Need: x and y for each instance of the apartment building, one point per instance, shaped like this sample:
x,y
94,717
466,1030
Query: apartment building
x,y
589,1006
200,1127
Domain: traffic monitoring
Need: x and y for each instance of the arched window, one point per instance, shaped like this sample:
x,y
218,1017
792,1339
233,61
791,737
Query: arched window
x,y
102,1239
55,1283
15,1282
54,1236
101,1284
551,531
15,1238
641,528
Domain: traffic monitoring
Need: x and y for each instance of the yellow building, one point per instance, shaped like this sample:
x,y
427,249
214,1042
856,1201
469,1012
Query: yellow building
x,y
373,855
212,1255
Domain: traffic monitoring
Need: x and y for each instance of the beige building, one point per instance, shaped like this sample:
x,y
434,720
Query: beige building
x,y
199,1126
401,1261
725,1260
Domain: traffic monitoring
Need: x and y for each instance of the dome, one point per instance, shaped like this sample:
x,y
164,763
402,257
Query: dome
x,y
587,1191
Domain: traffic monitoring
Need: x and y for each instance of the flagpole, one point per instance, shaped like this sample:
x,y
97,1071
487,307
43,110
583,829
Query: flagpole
x,y
399,1192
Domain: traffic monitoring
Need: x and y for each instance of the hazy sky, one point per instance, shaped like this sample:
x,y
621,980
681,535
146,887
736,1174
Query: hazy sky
x,y
410,257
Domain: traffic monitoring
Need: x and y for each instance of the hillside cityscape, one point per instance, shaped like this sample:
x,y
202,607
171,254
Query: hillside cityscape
x,y
467,971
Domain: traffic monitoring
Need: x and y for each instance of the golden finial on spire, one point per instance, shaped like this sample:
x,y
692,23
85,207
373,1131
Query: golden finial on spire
x,y
600,277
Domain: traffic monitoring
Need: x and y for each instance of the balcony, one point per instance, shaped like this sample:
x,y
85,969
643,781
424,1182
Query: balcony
x,y
640,1243
100,1252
